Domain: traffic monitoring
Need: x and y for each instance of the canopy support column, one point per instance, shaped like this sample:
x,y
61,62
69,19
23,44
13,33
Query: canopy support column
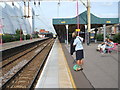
x,y
104,28
67,33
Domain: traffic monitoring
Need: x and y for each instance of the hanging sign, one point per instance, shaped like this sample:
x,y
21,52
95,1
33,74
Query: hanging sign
x,y
108,21
77,30
63,22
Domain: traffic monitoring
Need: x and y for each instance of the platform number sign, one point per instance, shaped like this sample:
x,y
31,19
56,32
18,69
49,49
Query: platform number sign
x,y
77,30
108,21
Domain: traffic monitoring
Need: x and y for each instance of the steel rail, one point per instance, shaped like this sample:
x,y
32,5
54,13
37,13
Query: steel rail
x,y
20,50
20,70
41,66
31,49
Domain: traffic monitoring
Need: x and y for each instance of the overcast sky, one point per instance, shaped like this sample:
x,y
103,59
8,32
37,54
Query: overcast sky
x,y
50,9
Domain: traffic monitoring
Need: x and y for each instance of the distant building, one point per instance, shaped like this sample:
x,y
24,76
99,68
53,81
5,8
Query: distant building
x,y
44,31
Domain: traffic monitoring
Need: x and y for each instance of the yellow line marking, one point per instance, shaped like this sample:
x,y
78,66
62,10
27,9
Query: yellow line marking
x,y
69,72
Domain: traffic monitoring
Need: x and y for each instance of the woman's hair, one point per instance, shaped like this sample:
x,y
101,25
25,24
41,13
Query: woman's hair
x,y
74,34
110,40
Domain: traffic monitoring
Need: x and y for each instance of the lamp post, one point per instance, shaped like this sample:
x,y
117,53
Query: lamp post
x,y
1,32
88,20
1,42
77,16
20,30
20,26
20,33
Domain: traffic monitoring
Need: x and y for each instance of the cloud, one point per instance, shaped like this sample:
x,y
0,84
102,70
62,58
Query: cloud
x,y
110,15
107,3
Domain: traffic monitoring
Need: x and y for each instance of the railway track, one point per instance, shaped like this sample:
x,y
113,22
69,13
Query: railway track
x,y
23,70
19,55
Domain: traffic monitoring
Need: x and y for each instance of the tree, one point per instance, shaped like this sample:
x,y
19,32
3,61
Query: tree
x,y
18,32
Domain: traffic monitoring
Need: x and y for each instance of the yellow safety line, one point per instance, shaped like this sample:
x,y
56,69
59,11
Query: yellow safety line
x,y
69,72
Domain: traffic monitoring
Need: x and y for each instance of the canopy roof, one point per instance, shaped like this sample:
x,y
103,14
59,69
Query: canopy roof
x,y
83,20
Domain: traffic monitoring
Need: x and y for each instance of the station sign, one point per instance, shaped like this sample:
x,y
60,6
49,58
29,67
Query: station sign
x,y
108,21
63,22
77,30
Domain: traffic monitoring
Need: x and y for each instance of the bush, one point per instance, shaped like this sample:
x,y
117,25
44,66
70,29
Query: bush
x,y
7,38
19,31
116,38
99,37
27,36
15,37
35,36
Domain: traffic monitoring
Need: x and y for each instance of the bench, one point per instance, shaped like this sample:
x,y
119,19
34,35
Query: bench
x,y
115,48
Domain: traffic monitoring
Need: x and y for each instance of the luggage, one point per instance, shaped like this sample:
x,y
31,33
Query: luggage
x,y
76,67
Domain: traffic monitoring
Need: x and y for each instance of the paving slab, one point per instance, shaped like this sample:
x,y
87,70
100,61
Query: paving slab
x,y
100,70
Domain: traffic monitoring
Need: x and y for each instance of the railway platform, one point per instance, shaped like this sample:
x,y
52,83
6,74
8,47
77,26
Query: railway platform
x,y
10,45
56,73
11,48
98,69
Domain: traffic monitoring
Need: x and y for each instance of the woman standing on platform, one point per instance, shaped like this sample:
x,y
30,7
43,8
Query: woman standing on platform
x,y
79,52
72,48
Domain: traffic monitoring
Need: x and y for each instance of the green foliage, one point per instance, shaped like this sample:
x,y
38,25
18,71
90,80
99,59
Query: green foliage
x,y
99,37
7,38
116,38
17,37
18,32
35,36
28,36
107,36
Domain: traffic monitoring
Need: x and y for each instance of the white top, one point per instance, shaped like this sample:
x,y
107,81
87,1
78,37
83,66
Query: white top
x,y
78,42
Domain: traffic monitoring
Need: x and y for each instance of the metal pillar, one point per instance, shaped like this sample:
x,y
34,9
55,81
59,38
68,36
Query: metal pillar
x,y
28,8
77,16
33,20
104,28
67,33
1,32
85,33
25,8
20,33
88,17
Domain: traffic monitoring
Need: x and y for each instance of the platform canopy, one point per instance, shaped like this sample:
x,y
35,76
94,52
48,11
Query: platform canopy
x,y
83,20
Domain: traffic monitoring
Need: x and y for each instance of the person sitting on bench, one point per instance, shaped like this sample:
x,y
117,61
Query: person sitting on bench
x,y
109,44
